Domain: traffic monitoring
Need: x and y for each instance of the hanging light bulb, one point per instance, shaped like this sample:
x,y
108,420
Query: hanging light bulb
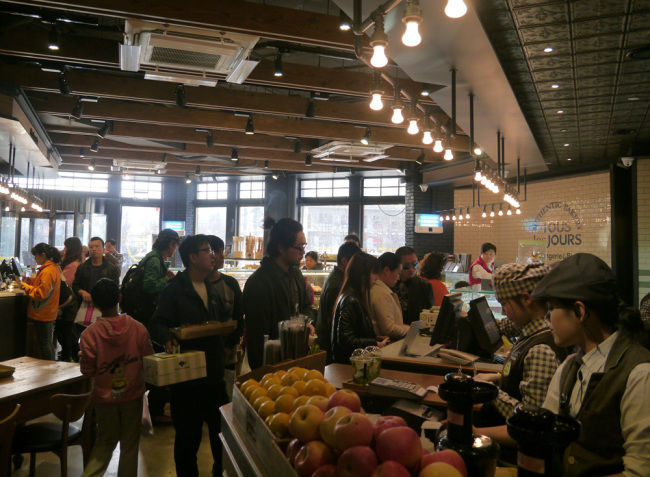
x,y
455,8
398,107
477,171
376,91
478,151
518,211
437,147
484,214
413,119
379,42
454,216
447,216
500,211
427,138
412,17
449,155
492,212
460,214
509,212
484,180
442,218
467,214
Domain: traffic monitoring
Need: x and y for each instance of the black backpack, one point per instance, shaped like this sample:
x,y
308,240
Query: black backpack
x,y
135,302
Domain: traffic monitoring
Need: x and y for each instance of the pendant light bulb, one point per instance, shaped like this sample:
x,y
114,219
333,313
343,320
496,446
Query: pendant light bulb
x,y
398,117
484,214
437,147
460,215
467,216
453,217
518,212
484,180
455,8
500,211
492,212
379,58
376,104
413,126
447,217
412,36
477,176
478,151
509,212
449,155
379,42
427,138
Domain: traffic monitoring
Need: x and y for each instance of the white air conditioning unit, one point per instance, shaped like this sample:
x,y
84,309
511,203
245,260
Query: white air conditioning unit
x,y
134,164
186,55
346,151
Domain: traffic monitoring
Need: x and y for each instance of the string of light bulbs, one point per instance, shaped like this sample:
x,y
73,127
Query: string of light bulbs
x,y
451,216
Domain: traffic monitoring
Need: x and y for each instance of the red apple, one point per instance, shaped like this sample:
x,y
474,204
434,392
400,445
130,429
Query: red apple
x,y
386,422
292,450
312,456
345,398
304,423
448,456
319,401
401,444
390,468
328,470
439,469
352,430
357,461
330,419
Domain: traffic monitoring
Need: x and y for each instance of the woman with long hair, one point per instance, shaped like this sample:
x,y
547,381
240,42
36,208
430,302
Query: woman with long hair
x,y
385,310
606,384
352,326
43,291
431,270
64,326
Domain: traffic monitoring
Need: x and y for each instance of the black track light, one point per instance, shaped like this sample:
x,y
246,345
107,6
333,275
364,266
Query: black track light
x,y
78,110
53,38
64,86
91,166
209,139
181,100
402,167
214,177
275,176
104,130
426,89
335,169
81,152
345,23
250,127
277,65
420,160
297,147
187,178
308,160
311,108
366,137
164,158
266,164
234,155
197,171
95,146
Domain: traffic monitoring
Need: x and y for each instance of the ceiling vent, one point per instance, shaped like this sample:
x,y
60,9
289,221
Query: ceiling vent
x,y
346,151
183,55
138,165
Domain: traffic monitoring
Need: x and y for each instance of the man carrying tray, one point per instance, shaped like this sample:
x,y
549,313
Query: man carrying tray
x,y
189,298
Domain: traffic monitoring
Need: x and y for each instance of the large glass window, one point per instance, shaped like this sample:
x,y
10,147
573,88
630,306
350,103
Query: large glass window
x,y
251,190
325,226
142,189
63,228
32,231
73,182
383,187
138,226
212,191
250,221
325,188
211,221
8,236
383,228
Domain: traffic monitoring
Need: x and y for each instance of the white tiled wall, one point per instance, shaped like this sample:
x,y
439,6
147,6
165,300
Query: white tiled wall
x,y
574,213
643,207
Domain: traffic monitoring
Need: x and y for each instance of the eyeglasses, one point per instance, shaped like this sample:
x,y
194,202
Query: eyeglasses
x,y
301,248
407,266
209,250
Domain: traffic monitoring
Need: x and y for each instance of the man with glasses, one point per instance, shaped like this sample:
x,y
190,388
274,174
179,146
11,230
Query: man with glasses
x,y
190,298
415,294
277,290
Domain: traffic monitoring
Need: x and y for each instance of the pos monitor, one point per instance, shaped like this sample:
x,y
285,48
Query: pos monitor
x,y
486,338
16,266
443,331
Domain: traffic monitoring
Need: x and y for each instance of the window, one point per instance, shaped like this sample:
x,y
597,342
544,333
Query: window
x,y
7,236
250,221
211,221
212,191
251,190
72,182
383,186
325,226
138,226
325,188
383,228
141,189
63,228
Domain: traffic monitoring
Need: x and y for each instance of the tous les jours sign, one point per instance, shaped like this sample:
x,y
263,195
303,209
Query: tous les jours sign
x,y
562,228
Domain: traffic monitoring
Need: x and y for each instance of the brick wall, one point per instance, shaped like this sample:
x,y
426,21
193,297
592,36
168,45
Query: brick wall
x,y
643,211
573,213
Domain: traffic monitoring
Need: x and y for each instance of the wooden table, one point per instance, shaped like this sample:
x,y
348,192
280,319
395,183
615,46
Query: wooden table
x,y
33,383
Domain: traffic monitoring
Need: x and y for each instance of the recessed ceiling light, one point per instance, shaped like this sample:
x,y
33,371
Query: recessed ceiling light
x,y
555,86
566,144
569,159
548,49
560,111
562,130
633,98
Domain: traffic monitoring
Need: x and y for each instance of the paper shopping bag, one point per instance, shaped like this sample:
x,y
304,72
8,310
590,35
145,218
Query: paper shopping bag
x,y
87,314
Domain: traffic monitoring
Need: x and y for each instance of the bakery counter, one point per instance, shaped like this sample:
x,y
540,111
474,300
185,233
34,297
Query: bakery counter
x,y
13,324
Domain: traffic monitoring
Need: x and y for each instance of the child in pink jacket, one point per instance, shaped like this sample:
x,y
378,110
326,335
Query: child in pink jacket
x,y
111,351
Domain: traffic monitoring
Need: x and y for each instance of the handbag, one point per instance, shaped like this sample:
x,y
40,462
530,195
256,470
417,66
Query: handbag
x,y
66,295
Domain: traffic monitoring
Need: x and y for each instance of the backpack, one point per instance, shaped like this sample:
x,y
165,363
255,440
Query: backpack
x,y
135,302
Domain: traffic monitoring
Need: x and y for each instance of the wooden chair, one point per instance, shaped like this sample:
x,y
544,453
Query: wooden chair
x,y
7,428
53,436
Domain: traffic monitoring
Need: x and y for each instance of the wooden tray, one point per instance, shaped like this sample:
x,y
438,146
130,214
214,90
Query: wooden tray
x,y
6,371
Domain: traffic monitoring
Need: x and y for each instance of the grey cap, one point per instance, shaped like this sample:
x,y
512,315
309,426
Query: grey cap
x,y
582,276
169,234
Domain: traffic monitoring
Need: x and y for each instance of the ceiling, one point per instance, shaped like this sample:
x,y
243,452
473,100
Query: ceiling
x,y
594,44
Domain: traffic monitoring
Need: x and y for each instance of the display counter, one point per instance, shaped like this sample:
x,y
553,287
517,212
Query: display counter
x,y
13,324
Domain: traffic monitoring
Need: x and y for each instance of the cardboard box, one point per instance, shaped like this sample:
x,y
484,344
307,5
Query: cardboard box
x,y
162,369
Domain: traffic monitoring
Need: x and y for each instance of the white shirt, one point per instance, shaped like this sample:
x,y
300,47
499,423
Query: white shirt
x,y
635,405
386,312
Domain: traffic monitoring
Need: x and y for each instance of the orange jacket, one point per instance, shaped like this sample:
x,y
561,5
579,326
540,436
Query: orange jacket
x,y
44,293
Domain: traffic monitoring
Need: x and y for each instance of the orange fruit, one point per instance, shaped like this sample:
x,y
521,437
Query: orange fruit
x,y
288,379
300,386
316,387
267,421
313,374
289,390
265,377
259,401
280,373
257,393
329,389
274,391
247,384
300,401
284,403
301,372
279,424
250,389
271,382
266,409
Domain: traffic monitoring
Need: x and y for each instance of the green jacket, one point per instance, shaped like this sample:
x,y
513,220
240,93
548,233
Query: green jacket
x,y
155,280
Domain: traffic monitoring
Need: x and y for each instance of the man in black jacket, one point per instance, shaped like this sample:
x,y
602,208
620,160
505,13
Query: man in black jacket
x,y
277,290
190,298
89,272
330,293
415,293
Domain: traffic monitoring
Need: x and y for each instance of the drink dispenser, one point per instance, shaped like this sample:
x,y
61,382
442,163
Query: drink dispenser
x,y
479,452
239,247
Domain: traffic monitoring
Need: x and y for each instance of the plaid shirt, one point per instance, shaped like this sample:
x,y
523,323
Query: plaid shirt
x,y
540,365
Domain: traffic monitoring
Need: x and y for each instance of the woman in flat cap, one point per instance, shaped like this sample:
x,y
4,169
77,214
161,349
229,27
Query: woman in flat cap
x,y
606,384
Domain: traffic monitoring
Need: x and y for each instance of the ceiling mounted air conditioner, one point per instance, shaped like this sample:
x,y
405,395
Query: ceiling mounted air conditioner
x,y
186,55
346,151
152,166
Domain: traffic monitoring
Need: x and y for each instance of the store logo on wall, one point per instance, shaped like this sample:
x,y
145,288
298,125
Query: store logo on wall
x,y
559,232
